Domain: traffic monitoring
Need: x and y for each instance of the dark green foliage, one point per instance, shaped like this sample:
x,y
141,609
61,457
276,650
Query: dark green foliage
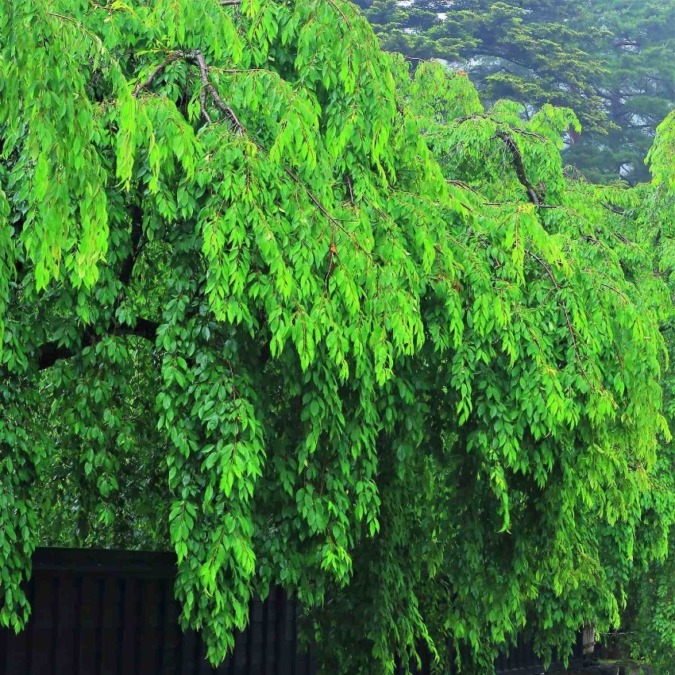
x,y
271,302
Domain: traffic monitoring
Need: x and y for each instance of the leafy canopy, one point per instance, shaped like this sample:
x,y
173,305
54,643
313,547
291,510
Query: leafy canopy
x,y
309,322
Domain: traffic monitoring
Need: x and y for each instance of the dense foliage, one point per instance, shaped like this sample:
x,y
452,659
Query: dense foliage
x,y
610,61
649,622
271,302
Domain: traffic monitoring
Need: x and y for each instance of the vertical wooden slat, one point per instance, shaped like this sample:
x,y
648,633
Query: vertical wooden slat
x,y
77,632
88,620
254,638
17,660
285,633
4,651
231,664
56,612
16,656
198,656
98,656
204,667
162,632
238,658
138,614
129,626
268,623
40,627
149,633
173,644
110,627
64,656
188,644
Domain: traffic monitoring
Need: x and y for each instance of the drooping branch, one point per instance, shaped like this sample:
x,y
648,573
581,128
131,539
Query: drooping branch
x,y
338,9
196,57
51,352
568,320
518,165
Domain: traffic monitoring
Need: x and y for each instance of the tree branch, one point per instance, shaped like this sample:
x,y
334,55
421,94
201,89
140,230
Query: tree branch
x,y
563,304
518,165
147,83
207,86
196,57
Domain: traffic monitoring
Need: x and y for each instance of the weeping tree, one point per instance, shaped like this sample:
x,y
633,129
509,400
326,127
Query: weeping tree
x,y
269,302
649,623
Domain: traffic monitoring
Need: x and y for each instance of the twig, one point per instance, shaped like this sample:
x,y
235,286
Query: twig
x,y
351,190
613,208
336,7
322,208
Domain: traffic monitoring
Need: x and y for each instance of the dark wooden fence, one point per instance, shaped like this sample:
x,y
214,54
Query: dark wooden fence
x,y
113,613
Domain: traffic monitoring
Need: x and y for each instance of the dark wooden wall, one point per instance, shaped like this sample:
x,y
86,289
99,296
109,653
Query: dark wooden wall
x,y
113,613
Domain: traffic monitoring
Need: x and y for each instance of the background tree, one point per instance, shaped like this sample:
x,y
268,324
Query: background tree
x,y
609,61
637,87
371,346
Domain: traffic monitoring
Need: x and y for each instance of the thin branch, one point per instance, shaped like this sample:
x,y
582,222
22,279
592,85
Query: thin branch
x,y
198,57
613,208
570,328
202,106
335,6
322,209
229,3
147,83
518,165
350,188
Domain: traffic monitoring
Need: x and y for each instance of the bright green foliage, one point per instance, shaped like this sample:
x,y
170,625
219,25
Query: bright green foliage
x,y
610,61
649,622
310,322
544,286
662,158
